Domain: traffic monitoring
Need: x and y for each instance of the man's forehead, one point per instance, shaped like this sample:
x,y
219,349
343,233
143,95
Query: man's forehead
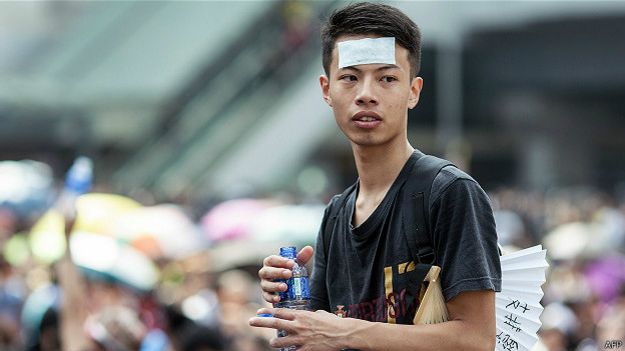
x,y
361,51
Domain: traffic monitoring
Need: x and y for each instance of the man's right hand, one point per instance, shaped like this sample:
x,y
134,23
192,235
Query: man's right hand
x,y
277,267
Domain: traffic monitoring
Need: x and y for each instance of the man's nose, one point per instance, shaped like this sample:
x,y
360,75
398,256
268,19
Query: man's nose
x,y
366,93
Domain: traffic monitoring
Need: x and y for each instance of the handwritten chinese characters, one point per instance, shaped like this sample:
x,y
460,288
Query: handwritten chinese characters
x,y
508,340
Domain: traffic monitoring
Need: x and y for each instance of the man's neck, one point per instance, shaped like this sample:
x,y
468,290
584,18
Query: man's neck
x,y
378,167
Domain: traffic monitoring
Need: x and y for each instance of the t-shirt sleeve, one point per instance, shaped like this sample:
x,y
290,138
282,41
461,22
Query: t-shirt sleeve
x,y
465,238
318,289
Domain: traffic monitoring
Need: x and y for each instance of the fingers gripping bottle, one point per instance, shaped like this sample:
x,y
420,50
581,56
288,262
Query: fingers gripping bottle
x,y
297,296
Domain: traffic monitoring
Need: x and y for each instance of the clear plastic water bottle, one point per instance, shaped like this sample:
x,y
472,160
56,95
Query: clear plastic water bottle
x,y
297,296
77,182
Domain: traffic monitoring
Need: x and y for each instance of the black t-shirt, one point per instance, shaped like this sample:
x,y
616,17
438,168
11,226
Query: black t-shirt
x,y
368,271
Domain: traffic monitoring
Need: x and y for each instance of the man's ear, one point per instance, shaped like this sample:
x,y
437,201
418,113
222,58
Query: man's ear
x,y
415,92
325,89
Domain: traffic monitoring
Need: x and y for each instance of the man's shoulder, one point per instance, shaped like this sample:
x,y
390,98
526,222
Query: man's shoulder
x,y
450,178
450,174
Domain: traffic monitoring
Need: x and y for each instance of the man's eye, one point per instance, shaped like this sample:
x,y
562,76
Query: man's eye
x,y
388,79
349,78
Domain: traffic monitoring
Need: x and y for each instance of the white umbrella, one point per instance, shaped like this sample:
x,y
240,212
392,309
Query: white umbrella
x,y
105,255
288,224
26,187
571,240
518,305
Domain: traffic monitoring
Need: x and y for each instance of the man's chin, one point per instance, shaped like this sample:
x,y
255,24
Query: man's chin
x,y
367,142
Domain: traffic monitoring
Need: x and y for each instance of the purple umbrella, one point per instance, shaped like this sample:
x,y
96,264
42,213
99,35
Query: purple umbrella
x,y
606,277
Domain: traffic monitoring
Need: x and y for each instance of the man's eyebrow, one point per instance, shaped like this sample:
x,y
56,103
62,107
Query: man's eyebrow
x,y
385,67
352,68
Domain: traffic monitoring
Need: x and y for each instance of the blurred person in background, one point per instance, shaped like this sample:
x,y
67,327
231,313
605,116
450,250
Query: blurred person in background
x,y
10,307
236,290
370,99
114,328
48,335
187,335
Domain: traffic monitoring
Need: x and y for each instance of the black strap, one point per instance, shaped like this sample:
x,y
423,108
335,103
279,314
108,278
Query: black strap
x,y
335,207
415,213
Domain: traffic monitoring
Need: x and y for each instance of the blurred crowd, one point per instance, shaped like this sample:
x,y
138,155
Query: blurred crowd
x,y
140,277
583,230
160,277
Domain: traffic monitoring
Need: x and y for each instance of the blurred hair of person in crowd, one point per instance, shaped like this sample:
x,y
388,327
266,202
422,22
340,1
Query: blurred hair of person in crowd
x,y
48,336
186,335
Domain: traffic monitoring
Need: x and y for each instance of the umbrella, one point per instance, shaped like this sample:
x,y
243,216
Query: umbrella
x,y
606,277
570,240
288,224
163,230
231,220
94,212
107,257
271,229
38,302
47,240
26,187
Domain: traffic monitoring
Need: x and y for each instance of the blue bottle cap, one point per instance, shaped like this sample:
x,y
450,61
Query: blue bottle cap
x,y
80,175
264,315
289,252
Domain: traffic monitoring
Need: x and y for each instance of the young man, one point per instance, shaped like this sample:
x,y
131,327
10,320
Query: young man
x,y
371,57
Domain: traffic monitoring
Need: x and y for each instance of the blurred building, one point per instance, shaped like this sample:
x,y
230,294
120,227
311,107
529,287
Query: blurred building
x,y
202,100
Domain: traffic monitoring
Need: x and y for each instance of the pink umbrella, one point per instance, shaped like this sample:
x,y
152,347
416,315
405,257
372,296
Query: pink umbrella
x,y
232,219
606,277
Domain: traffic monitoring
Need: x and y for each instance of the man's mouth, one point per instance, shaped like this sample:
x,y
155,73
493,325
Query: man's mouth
x,y
366,116
366,119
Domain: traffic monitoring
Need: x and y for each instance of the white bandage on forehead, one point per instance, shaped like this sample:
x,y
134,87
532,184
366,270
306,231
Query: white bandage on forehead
x,y
365,51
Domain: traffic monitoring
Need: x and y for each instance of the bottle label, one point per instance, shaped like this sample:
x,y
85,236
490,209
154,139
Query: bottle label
x,y
298,288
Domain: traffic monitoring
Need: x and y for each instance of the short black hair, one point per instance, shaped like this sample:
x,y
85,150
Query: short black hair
x,y
365,18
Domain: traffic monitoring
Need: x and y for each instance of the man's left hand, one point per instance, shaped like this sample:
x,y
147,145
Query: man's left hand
x,y
309,331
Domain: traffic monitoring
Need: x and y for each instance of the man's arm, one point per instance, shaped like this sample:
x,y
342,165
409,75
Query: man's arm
x,y
74,304
471,327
